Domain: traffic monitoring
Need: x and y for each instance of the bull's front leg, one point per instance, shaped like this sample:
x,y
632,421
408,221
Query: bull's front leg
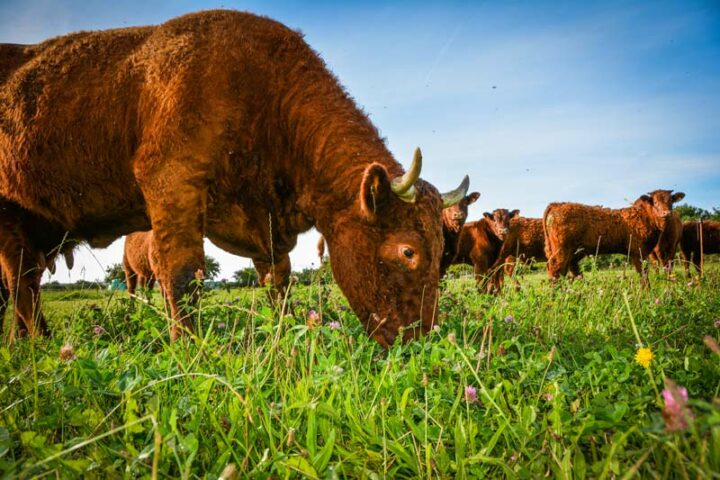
x,y
177,209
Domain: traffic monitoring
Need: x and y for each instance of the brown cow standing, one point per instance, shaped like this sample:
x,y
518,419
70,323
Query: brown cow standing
x,y
692,249
480,243
573,230
137,261
176,128
453,221
664,252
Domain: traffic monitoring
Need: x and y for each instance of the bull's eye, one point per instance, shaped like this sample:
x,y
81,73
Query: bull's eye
x,y
408,252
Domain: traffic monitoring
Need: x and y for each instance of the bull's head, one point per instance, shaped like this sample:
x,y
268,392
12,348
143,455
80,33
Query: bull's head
x,y
386,252
499,221
659,203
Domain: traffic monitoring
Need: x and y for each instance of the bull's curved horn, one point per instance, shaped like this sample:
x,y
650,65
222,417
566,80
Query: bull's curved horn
x,y
403,186
451,198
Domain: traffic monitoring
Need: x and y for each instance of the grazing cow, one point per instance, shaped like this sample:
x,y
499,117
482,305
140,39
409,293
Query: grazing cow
x,y
693,249
664,252
137,261
480,243
573,230
177,128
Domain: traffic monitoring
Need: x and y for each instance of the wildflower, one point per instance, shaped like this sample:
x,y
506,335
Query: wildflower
x,y
236,299
66,353
228,302
98,330
677,413
313,318
548,397
717,323
343,308
711,344
424,380
471,394
334,325
291,437
644,356
452,338
657,301
338,369
221,326
509,319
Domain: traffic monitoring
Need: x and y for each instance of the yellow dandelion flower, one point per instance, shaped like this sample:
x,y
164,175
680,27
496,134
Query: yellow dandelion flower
x,y
644,356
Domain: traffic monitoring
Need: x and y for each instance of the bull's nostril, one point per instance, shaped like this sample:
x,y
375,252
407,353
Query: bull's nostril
x,y
408,252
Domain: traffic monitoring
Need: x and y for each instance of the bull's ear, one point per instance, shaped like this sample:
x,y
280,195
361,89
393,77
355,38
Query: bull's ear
x,y
472,198
646,199
375,190
488,215
515,213
677,196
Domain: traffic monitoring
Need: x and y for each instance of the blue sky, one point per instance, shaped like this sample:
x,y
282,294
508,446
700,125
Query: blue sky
x,y
537,101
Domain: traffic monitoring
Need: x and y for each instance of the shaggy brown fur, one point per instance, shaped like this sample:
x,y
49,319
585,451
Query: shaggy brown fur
x,y
690,246
453,219
664,252
573,231
178,127
480,243
137,261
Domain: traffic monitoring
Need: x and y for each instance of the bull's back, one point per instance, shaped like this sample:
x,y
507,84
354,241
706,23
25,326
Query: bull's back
x,y
13,56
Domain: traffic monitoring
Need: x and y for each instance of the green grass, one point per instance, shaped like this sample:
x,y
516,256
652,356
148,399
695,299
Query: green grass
x,y
558,391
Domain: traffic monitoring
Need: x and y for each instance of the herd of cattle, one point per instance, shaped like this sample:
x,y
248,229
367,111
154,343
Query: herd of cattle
x,y
228,126
649,230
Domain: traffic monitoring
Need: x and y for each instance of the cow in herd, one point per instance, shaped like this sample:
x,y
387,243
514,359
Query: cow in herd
x,y
107,133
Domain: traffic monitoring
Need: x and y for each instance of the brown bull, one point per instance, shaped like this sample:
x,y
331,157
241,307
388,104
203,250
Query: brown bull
x,y
573,230
211,116
695,246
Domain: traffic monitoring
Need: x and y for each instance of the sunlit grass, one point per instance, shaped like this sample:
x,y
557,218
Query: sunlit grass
x,y
558,391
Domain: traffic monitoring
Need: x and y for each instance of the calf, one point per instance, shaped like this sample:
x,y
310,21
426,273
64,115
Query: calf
x,y
525,241
453,219
664,252
480,243
573,230
691,246
137,261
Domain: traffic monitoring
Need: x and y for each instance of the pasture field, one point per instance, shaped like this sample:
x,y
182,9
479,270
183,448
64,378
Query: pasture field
x,y
540,382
